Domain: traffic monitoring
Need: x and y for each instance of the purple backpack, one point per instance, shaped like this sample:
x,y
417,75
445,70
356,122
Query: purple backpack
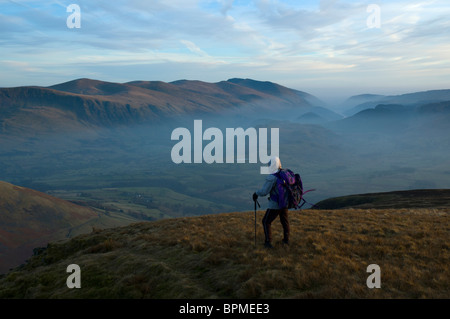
x,y
290,190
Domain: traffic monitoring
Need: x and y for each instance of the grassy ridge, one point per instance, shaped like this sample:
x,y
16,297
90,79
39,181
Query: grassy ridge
x,y
213,256
421,198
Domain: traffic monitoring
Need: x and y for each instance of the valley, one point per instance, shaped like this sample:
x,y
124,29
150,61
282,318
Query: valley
x,y
116,160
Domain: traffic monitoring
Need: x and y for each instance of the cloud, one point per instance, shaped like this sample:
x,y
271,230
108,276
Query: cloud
x,y
302,41
194,49
226,6
19,65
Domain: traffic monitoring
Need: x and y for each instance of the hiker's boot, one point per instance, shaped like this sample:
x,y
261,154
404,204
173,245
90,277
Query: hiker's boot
x,y
285,242
267,244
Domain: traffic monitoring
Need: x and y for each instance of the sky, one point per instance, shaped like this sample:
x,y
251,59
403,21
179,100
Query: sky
x,y
331,48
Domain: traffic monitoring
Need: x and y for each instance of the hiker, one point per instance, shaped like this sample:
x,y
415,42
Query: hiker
x,y
273,210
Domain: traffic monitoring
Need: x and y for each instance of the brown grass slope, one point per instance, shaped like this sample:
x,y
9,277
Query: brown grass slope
x,y
214,256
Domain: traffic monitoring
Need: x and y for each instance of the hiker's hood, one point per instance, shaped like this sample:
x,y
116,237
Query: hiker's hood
x,y
274,165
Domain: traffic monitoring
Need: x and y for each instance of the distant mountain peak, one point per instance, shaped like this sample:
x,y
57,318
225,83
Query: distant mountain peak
x,y
87,86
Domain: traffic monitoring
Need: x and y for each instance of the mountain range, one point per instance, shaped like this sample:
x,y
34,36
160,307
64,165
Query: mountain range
x,y
422,124
362,102
86,103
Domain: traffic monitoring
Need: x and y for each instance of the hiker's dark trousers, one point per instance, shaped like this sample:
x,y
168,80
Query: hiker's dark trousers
x,y
269,217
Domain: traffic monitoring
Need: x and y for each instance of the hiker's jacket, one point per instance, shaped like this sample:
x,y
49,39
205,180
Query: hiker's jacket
x,y
269,188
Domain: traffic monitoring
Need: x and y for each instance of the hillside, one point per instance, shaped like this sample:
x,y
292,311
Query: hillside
x,y
214,256
86,103
29,219
421,124
422,198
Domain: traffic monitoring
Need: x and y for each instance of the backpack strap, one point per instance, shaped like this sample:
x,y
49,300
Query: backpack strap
x,y
305,202
310,190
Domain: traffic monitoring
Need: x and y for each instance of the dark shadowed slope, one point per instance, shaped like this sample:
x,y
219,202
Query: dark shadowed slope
x,y
425,198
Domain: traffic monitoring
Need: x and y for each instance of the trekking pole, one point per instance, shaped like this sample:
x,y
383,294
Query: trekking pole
x,y
256,202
